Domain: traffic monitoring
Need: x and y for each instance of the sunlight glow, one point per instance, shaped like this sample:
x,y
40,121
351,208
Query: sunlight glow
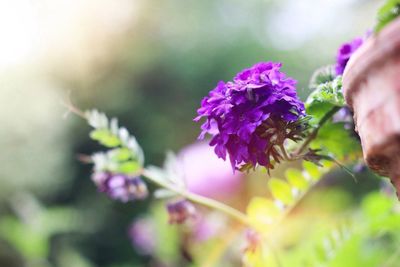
x,y
18,31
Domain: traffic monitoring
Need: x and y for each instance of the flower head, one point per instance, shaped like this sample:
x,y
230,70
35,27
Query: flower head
x,y
344,53
119,186
252,115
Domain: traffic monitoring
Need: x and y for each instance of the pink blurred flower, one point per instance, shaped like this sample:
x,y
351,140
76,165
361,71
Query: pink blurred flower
x,y
207,175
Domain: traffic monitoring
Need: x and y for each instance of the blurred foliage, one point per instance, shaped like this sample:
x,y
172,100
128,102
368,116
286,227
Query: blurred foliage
x,y
388,12
151,73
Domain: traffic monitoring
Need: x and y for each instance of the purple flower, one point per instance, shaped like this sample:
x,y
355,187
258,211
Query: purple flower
x,y
344,53
207,227
142,234
180,211
120,187
249,116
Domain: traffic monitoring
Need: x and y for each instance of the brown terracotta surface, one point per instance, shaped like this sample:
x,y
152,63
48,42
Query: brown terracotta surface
x,y
371,85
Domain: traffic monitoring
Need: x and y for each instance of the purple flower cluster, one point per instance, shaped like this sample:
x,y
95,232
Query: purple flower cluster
x,y
240,113
120,186
344,53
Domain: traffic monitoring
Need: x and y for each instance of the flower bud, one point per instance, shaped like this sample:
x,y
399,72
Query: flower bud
x,y
179,211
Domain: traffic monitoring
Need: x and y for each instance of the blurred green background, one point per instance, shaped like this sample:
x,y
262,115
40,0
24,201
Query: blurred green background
x,y
148,63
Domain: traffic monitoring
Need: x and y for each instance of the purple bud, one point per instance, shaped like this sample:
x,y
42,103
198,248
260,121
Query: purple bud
x,y
120,187
100,179
180,211
253,240
360,167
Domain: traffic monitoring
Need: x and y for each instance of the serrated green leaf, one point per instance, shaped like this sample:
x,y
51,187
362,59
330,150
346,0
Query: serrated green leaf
x,y
105,137
129,167
296,179
328,92
281,190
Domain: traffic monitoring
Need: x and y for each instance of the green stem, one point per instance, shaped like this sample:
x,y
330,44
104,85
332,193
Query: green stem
x,y
208,202
314,133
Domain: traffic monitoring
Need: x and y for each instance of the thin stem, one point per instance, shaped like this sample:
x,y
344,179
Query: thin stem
x,y
71,108
314,133
283,150
208,202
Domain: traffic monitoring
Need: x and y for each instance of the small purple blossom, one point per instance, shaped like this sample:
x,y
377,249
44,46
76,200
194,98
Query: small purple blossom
x,y
143,235
180,211
345,52
241,115
119,186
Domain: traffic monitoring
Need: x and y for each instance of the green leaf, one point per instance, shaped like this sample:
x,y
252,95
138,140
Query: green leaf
x,y
387,13
121,154
377,204
297,179
312,170
281,190
337,141
105,137
30,243
328,92
129,167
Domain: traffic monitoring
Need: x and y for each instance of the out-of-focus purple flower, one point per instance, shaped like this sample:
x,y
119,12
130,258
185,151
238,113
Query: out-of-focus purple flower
x,y
344,115
240,114
179,211
120,187
206,227
205,174
345,52
142,234
360,167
